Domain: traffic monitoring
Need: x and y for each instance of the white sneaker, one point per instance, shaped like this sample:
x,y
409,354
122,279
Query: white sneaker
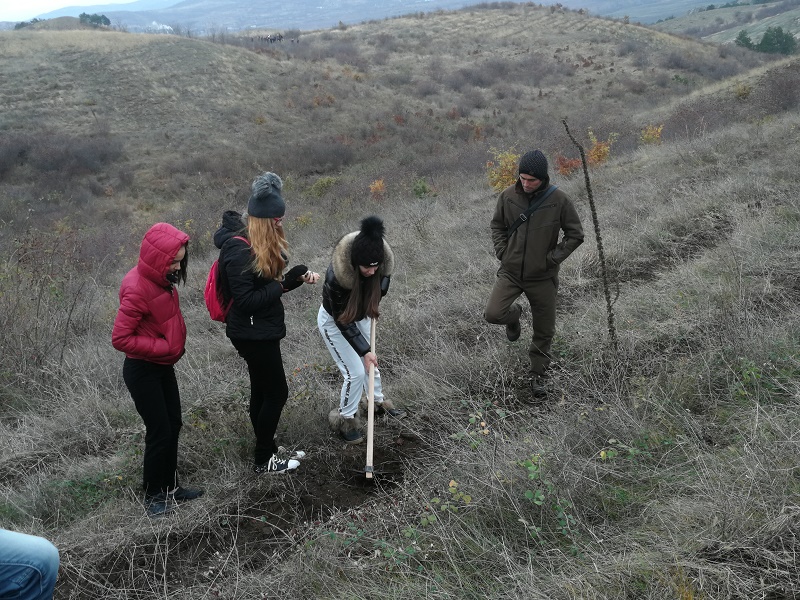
x,y
297,454
276,465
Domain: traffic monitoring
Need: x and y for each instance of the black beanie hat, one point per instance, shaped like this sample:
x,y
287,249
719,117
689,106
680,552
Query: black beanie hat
x,y
266,201
534,163
367,249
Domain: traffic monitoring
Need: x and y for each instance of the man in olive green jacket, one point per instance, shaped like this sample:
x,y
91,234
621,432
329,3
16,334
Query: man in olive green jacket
x,y
530,257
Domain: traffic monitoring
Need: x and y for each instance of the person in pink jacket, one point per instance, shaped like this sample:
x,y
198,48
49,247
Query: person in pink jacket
x,y
150,330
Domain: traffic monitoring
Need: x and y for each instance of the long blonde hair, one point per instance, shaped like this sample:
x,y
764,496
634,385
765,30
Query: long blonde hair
x,y
270,248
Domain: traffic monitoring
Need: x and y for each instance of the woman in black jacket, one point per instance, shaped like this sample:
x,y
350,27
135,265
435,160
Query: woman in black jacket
x,y
252,274
356,280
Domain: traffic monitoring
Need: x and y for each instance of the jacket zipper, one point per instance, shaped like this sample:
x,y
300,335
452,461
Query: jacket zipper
x,y
251,319
524,251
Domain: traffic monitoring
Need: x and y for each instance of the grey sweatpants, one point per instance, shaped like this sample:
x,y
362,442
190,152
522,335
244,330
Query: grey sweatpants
x,y
351,365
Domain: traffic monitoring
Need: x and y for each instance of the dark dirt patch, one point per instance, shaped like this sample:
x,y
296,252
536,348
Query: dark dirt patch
x,y
265,516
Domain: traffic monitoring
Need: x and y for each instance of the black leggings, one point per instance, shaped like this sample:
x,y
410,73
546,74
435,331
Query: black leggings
x,y
268,392
154,390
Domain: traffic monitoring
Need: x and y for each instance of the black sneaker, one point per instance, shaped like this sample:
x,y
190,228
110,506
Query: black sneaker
x,y
182,494
276,465
158,505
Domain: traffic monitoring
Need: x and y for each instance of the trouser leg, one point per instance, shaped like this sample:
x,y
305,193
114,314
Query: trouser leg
x,y
501,308
28,566
542,298
268,392
155,394
350,364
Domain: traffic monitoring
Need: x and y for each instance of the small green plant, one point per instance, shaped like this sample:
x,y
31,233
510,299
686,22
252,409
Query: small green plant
x,y
541,492
742,90
457,499
477,429
322,186
421,188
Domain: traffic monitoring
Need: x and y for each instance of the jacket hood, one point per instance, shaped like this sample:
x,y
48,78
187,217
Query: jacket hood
x,y
343,268
159,247
232,225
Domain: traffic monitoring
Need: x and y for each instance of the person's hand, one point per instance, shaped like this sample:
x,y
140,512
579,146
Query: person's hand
x,y
310,277
370,359
296,273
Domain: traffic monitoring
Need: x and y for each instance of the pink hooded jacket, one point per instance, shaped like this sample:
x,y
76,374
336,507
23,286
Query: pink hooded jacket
x,y
149,324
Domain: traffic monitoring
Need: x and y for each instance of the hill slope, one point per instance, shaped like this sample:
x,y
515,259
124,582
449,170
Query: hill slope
x,y
665,458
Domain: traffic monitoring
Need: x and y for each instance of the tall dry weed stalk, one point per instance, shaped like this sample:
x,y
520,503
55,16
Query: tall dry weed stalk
x,y
612,330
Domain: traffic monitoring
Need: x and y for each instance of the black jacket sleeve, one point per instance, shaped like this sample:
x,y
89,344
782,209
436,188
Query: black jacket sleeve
x,y
292,279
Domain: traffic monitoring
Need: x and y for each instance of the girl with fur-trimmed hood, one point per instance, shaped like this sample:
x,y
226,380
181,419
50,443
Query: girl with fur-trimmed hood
x,y
356,280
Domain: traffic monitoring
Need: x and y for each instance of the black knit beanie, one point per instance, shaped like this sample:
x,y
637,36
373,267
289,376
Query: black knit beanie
x,y
367,249
265,198
534,163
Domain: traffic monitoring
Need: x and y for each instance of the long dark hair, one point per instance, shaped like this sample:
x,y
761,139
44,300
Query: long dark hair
x,y
364,299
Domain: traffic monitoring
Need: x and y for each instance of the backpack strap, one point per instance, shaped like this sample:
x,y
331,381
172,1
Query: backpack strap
x,y
530,210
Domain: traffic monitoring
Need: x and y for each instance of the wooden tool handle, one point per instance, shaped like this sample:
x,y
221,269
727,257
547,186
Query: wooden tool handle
x,y
371,404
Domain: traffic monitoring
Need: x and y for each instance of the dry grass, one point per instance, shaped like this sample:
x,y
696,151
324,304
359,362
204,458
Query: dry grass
x,y
668,470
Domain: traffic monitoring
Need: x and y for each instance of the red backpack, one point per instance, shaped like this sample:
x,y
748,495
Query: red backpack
x,y
217,307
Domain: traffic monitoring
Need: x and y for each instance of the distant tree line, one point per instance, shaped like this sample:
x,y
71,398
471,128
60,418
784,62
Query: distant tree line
x,y
27,23
774,41
94,20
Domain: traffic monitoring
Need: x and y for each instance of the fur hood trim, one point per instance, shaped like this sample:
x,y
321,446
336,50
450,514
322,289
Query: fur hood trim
x,y
345,271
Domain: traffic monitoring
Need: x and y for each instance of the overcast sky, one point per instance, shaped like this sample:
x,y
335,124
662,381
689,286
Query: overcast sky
x,y
25,10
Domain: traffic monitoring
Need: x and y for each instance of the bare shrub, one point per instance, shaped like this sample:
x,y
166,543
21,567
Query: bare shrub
x,y
13,149
779,90
424,88
634,86
435,69
126,176
535,69
474,98
456,80
314,156
346,52
630,46
677,60
397,78
214,164
73,155
386,41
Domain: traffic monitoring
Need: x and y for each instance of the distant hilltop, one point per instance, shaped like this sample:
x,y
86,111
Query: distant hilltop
x,y
202,16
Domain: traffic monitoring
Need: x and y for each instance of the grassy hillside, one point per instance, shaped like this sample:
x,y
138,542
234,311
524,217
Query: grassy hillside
x,y
722,25
663,467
